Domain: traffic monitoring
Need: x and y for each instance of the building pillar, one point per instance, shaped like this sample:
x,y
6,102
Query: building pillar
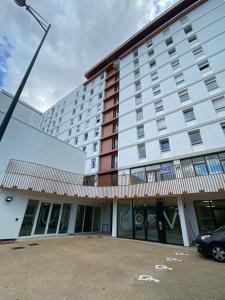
x,y
114,218
183,221
72,221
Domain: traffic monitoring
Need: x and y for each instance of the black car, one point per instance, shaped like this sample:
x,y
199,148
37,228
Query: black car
x,y
213,244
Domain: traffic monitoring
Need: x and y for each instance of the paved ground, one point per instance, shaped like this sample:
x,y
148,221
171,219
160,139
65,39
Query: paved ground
x,y
104,268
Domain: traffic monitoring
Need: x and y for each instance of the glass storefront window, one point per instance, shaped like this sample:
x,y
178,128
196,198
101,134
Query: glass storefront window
x,y
138,175
213,164
54,219
29,217
64,223
125,224
97,219
79,218
88,219
200,166
42,218
187,168
222,160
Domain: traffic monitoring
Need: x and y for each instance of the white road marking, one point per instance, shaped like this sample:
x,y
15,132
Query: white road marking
x,y
173,259
162,267
147,278
180,253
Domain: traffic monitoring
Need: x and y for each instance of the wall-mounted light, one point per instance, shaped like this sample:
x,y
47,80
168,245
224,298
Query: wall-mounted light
x,y
8,199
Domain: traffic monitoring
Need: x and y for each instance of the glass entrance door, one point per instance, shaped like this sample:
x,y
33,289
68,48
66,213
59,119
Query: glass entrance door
x,y
42,218
151,222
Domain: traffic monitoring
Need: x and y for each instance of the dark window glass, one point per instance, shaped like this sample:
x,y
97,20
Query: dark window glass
x,y
28,220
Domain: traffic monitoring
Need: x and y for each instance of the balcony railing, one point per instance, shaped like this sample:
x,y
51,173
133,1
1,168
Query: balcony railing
x,y
172,180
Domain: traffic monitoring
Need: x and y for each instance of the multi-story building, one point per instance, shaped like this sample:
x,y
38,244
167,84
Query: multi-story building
x,y
151,119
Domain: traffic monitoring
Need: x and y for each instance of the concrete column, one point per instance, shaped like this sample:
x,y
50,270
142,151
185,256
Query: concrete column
x,y
72,220
114,219
183,221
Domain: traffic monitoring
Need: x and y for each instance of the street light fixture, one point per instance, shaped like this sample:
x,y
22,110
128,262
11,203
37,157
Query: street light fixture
x,y
46,27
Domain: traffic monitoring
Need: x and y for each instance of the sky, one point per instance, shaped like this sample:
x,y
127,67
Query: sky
x,y
82,33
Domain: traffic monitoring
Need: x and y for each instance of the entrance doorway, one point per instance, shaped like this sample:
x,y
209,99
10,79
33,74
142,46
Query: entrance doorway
x,y
157,221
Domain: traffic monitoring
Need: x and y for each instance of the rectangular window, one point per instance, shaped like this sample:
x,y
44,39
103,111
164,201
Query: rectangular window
x,y
115,128
81,107
151,52
98,119
136,73
195,137
76,141
115,112
100,96
172,52
204,66
139,114
156,90
114,161
135,53
96,132
183,95
175,64
136,63
78,128
137,85
164,145
79,117
88,112
95,147
179,78
138,99
140,132
192,39
71,122
211,83
152,63
219,104
189,114
154,76
69,132
91,91
83,97
198,51
161,124
149,44
188,29
85,136
223,127
93,163
114,143
141,151
158,106
74,111
169,41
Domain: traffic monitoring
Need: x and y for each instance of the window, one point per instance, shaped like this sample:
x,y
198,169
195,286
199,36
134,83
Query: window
x,y
195,137
158,106
115,112
114,161
166,31
184,20
219,104
100,96
198,51
96,132
172,52
98,119
161,124
60,120
84,148
223,127
81,107
136,63
135,53
204,66
141,151
116,100
188,29
211,83
138,99
95,147
136,73
83,97
87,123
98,106
71,122
156,90
140,132
88,112
139,114
62,110
149,44
115,128
152,63
102,76
169,41
164,145
79,117
137,85
154,76
90,102
84,88
85,136
76,141
75,102
57,129
183,95
192,39
151,52
179,78
78,128
74,111
189,114
93,163
91,92
175,64
114,143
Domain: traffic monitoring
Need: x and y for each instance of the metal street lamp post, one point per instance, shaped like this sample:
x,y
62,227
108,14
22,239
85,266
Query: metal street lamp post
x,y
46,27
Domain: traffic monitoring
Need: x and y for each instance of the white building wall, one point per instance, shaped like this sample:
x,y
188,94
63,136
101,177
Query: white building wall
x,y
207,23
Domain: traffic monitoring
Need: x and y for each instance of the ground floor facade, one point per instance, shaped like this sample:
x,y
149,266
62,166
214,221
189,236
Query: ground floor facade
x,y
172,220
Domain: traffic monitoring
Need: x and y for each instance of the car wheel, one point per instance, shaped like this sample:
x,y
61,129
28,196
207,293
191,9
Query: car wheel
x,y
217,252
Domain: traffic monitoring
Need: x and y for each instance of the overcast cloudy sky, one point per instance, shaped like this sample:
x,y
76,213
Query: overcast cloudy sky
x,y
83,31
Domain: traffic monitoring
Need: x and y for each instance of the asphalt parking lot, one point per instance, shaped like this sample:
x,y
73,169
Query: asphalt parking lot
x,y
105,268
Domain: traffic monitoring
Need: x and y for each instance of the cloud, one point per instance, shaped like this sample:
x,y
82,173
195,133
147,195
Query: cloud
x,y
5,56
82,33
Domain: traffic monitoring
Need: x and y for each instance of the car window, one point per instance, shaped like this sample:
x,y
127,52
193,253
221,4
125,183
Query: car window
x,y
221,229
